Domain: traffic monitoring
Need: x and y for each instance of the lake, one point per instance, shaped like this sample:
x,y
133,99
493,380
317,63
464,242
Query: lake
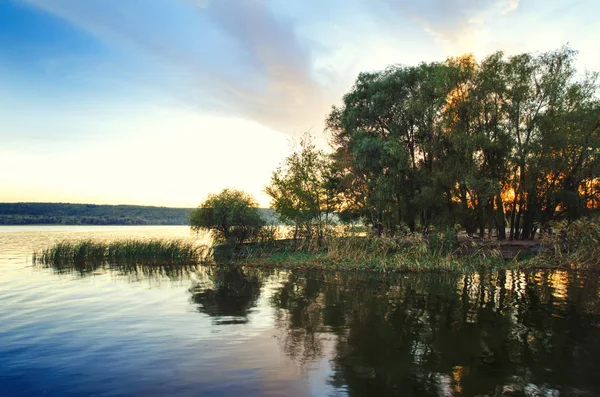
x,y
189,331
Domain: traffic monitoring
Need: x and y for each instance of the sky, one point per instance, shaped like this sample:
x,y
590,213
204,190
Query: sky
x,y
160,102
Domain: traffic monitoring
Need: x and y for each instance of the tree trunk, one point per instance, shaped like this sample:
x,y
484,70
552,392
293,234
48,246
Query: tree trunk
x,y
499,219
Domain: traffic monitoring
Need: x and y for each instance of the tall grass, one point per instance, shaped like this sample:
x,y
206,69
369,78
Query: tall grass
x,y
577,243
146,252
409,252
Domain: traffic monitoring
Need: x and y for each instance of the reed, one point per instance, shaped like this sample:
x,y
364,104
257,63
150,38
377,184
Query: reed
x,y
382,254
147,252
576,244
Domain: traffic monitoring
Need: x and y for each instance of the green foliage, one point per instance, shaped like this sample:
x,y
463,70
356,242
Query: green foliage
x,y
232,216
443,242
502,142
299,192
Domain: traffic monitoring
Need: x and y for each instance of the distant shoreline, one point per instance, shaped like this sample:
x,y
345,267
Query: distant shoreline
x,y
40,214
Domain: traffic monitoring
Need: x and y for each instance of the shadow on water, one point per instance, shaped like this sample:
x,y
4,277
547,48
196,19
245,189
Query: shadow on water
x,y
503,333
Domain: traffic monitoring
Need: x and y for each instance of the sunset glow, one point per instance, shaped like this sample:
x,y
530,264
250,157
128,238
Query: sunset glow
x,y
162,102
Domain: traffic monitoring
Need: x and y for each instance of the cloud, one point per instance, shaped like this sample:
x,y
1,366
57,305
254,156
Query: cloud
x,y
235,56
285,83
511,5
283,63
458,25
249,59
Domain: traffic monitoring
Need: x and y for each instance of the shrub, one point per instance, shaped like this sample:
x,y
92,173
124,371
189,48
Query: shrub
x,y
232,217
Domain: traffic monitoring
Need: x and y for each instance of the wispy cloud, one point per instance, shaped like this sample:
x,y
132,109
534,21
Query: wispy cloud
x,y
233,55
167,86
248,59
284,83
458,25
511,5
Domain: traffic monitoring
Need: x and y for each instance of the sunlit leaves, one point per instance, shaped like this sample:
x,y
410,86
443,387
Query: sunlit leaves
x,y
445,142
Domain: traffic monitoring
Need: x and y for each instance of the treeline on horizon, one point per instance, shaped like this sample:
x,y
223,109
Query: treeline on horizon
x,y
90,214
94,214
503,143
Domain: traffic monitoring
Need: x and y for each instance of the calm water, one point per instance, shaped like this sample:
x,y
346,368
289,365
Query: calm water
x,y
117,331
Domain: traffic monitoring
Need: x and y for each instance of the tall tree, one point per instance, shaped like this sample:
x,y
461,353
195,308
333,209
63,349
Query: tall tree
x,y
503,141
299,194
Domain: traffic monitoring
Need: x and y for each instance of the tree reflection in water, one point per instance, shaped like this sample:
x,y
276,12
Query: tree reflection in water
x,y
501,333
506,333
225,293
230,294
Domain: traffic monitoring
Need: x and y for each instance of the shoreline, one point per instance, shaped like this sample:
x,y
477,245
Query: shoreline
x,y
468,255
348,253
442,264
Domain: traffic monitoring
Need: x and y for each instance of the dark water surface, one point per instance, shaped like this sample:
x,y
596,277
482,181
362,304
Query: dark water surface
x,y
119,331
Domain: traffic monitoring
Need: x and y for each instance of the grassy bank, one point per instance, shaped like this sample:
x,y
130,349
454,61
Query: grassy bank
x,y
372,254
576,245
394,263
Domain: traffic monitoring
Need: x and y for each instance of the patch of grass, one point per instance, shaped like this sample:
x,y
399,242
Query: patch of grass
x,y
408,253
576,244
411,254
393,263
147,252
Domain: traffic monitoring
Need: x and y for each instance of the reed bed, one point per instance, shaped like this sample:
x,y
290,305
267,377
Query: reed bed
x,y
577,244
570,245
412,253
146,252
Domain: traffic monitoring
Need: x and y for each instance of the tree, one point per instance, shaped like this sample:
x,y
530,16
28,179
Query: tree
x,y
505,141
299,193
387,135
232,217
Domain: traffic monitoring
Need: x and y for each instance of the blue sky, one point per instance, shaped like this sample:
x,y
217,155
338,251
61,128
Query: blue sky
x,y
162,101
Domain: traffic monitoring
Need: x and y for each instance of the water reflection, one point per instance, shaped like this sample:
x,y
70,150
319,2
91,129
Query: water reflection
x,y
494,334
491,334
228,295
155,274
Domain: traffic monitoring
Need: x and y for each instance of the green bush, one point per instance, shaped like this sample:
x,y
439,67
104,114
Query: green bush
x,y
232,217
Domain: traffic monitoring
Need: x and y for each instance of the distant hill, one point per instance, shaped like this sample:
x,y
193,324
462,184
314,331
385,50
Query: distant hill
x,y
92,214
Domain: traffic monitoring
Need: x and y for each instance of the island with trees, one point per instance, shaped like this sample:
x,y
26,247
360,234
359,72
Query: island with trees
x,y
506,149
438,166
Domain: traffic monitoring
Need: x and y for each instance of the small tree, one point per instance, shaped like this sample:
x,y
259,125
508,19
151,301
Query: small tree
x,y
231,216
299,193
